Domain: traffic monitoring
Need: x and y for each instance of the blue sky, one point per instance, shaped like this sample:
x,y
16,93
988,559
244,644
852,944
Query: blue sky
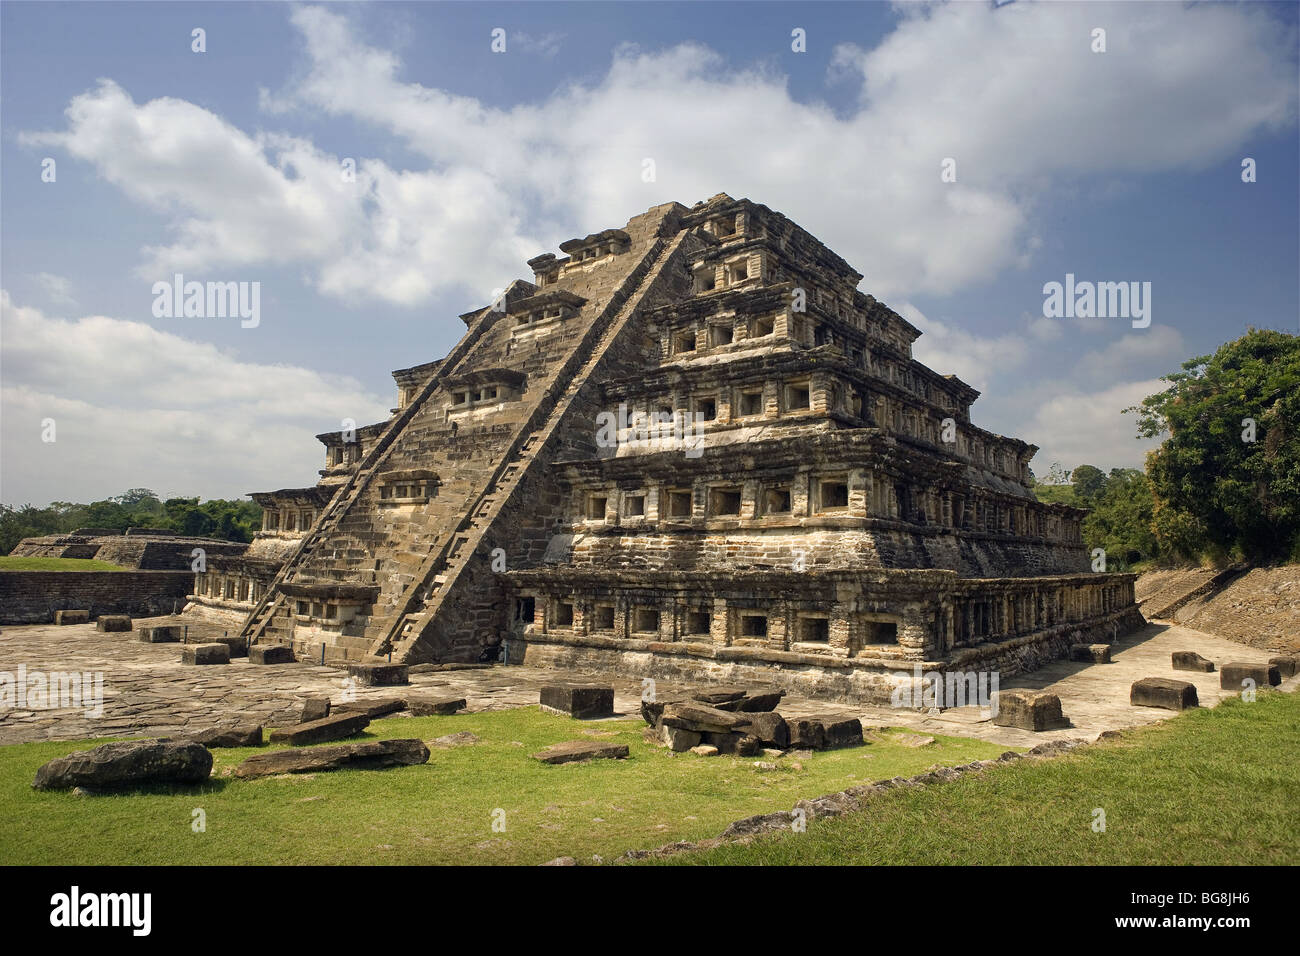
x,y
223,165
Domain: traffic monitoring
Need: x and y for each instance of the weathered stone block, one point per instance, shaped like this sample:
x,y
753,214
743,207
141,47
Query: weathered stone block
x,y
314,708
1192,661
270,654
1028,710
71,617
1234,673
700,718
127,763
372,708
705,750
759,701
842,732
652,710
434,706
168,634
113,622
678,740
228,736
1287,666
334,727
1090,653
575,750
583,701
714,696
238,646
737,744
379,675
205,654
768,727
806,733
370,755
1163,692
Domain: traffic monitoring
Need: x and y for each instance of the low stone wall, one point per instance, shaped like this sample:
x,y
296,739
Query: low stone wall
x,y
849,680
32,597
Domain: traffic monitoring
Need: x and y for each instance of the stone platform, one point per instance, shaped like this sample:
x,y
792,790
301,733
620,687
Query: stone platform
x,y
148,691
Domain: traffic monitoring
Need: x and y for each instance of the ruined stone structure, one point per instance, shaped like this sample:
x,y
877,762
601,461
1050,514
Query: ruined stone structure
x,y
689,448
145,549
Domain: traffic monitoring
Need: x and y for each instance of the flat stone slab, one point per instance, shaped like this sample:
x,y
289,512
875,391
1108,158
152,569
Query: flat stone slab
x,y
842,731
678,740
236,645
379,675
462,739
71,617
314,708
771,729
372,708
1090,653
1191,661
434,706
113,622
205,654
1234,674
370,755
127,763
1163,692
701,718
167,634
574,750
583,701
1029,710
1287,666
270,654
334,727
807,733
249,735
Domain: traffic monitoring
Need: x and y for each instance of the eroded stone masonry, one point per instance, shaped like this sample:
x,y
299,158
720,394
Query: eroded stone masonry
x,y
688,448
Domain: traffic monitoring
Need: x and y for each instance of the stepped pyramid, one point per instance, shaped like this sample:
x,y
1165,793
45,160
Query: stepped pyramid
x,y
688,448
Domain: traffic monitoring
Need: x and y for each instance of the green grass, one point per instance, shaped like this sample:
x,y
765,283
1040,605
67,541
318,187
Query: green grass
x,y
440,812
1217,786
8,563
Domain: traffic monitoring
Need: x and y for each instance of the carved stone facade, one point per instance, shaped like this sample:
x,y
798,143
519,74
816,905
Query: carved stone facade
x,y
693,448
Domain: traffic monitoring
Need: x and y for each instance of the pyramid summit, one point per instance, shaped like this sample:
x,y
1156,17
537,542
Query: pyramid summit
x,y
689,447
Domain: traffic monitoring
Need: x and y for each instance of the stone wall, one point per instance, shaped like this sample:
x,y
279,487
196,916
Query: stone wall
x,y
32,597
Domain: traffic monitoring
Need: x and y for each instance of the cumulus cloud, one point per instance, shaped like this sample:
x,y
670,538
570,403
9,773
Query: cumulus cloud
x,y
1021,103
134,406
57,289
1075,425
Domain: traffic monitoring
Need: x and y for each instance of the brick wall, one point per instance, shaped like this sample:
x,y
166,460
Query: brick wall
x,y
32,597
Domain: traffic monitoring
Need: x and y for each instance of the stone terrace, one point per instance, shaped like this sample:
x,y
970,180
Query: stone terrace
x,y
147,690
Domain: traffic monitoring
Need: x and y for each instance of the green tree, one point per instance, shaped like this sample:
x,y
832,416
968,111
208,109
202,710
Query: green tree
x,y
1088,482
1122,519
1226,481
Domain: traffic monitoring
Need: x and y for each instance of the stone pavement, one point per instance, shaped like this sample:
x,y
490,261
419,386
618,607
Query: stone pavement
x,y
147,691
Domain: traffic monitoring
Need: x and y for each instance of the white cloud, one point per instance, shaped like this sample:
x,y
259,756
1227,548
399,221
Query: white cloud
x,y
1020,102
57,289
1076,426
974,359
134,406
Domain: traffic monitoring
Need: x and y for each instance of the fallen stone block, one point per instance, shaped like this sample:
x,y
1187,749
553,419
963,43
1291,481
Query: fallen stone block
x,y
1163,692
270,654
71,617
716,696
701,718
370,755
228,736
807,733
841,732
581,701
169,634
379,675
677,739
113,622
334,727
434,706
372,708
127,763
736,744
760,701
1192,661
768,727
705,750
1234,673
1090,653
652,711
1028,710
205,654
574,750
238,646
314,708
1286,666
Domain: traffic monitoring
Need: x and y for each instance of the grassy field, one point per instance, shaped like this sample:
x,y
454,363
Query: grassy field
x,y
441,812
1217,786
8,563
